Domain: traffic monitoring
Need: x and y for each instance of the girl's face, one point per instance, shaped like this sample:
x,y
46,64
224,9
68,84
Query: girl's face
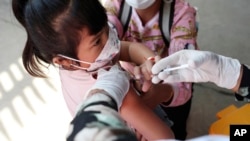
x,y
94,51
91,45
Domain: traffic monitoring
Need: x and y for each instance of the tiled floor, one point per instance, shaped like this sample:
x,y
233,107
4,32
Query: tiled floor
x,y
33,109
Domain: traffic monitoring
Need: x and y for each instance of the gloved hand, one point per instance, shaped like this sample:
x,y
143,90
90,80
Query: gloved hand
x,y
203,66
114,81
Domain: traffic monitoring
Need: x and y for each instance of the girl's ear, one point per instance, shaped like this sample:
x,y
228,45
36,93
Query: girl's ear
x,y
61,61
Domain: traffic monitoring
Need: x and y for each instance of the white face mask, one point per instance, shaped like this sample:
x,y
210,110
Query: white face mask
x,y
109,51
140,4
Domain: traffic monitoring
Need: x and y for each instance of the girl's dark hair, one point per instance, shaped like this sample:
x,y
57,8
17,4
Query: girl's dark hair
x,y
53,27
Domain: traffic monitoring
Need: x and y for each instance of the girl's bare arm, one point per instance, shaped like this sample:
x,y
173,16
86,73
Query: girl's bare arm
x,y
142,118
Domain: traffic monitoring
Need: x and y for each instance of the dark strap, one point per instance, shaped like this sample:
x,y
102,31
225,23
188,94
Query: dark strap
x,y
165,18
124,15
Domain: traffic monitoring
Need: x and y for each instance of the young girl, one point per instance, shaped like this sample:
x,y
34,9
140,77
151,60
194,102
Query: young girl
x,y
75,35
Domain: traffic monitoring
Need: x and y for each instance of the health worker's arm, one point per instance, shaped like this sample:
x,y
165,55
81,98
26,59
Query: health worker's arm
x,y
204,66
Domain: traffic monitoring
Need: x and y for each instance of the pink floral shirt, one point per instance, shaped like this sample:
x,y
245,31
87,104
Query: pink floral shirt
x,y
183,33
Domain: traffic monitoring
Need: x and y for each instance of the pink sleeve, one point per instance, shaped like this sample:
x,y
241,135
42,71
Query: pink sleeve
x,y
183,34
182,93
74,86
183,31
113,7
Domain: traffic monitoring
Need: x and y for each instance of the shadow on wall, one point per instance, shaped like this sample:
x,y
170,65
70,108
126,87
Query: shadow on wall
x,y
21,96
26,103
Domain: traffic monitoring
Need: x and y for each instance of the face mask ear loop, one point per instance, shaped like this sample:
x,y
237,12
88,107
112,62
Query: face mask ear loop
x,y
72,59
84,69
78,67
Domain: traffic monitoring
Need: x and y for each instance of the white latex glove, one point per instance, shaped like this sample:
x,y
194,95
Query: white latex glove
x,y
114,81
203,66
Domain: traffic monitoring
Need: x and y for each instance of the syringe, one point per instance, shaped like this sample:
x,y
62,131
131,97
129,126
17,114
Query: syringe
x,y
176,68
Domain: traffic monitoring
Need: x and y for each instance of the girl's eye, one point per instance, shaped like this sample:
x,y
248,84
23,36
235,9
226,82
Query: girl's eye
x,y
97,42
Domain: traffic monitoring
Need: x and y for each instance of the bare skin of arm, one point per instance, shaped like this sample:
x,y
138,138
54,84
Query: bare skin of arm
x,y
159,93
140,116
135,52
134,110
130,53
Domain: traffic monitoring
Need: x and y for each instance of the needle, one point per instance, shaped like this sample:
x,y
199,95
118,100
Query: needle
x,y
176,68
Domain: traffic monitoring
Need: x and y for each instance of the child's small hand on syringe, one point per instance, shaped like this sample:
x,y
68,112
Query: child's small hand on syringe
x,y
143,73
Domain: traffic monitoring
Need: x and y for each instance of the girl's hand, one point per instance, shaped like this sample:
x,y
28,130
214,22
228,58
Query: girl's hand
x,y
143,74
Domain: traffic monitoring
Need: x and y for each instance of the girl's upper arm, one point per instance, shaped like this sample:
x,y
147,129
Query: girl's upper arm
x,y
135,52
124,54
